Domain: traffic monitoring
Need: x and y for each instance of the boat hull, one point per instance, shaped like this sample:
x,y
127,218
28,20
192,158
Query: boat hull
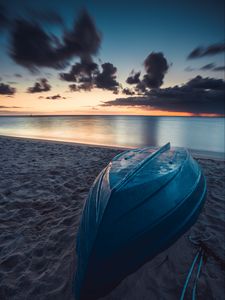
x,y
115,239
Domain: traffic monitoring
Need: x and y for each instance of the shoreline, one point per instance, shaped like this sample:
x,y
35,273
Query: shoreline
x,y
204,154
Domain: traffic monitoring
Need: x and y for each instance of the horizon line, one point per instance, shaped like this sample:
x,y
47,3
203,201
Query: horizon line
x,y
134,115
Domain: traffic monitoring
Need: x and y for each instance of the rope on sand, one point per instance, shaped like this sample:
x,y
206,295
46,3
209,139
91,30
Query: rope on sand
x,y
203,251
198,256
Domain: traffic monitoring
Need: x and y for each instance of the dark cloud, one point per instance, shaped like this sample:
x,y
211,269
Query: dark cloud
x,y
199,95
127,91
3,106
70,77
88,76
107,78
79,71
208,67
197,52
141,88
32,47
86,86
156,67
84,40
116,92
55,97
134,78
6,89
220,68
40,86
206,83
207,51
73,87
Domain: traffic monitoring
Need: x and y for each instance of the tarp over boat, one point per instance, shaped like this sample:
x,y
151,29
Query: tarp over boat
x,y
138,206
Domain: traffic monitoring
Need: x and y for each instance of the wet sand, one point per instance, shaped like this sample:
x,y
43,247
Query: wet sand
x,y
43,187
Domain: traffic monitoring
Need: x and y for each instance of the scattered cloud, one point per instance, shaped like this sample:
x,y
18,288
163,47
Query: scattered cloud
x,y
55,97
134,78
206,83
6,89
156,66
84,40
40,86
33,48
73,88
220,68
199,95
80,71
128,91
208,67
207,51
88,76
86,86
3,106
107,78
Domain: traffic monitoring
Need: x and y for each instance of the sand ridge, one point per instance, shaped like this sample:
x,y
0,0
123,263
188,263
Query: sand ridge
x,y
43,187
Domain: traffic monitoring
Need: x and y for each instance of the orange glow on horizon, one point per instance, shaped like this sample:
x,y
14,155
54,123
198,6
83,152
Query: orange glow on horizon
x,y
156,113
79,103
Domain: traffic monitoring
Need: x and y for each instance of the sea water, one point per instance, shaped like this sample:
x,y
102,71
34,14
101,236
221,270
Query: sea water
x,y
198,133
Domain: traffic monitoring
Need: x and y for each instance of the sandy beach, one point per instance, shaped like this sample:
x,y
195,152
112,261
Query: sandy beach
x,y
43,187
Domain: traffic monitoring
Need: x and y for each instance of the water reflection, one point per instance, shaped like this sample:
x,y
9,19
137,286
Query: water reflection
x,y
128,131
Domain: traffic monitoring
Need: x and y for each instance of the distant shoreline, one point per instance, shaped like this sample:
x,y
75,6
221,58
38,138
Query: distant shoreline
x,y
108,115
196,153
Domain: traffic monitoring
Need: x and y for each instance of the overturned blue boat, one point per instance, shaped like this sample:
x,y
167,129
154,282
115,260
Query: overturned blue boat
x,y
139,205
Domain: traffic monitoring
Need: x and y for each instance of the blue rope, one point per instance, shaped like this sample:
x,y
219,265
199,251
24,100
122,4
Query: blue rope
x,y
197,277
199,256
189,274
203,250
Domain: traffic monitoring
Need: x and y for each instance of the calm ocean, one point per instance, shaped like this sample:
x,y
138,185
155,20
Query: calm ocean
x,y
128,131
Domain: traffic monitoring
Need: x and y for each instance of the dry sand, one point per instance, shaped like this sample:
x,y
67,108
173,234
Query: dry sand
x,y
43,186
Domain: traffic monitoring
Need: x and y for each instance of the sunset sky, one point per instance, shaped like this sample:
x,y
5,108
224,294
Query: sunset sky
x,y
112,57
